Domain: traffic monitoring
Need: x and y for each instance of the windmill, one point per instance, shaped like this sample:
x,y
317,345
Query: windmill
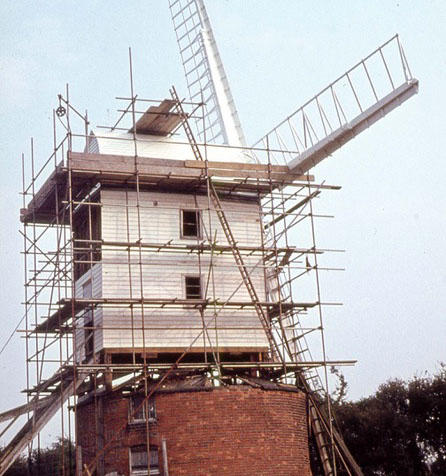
x,y
173,274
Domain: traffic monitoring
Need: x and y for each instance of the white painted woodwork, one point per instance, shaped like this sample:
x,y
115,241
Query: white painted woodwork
x,y
158,147
231,122
95,275
133,274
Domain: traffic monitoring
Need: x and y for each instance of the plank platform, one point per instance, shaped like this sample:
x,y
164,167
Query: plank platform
x,y
229,178
61,316
158,120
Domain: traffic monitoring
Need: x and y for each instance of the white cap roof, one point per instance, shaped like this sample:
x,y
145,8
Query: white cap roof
x,y
159,147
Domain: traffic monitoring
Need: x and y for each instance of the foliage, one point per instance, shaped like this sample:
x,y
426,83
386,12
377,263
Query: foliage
x,y
401,429
46,462
340,393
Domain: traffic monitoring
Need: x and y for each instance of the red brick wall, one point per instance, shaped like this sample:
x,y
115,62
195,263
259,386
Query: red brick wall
x,y
237,430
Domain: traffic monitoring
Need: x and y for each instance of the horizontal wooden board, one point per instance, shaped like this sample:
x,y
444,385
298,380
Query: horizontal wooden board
x,y
102,163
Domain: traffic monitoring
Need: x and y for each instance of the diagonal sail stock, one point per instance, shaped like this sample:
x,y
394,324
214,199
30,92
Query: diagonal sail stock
x,y
205,75
346,107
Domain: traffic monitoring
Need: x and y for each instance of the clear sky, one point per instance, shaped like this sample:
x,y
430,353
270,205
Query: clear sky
x,y
390,213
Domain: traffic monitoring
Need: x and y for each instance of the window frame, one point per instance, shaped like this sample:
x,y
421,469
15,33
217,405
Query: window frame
x,y
194,276
152,410
198,226
143,449
89,347
87,225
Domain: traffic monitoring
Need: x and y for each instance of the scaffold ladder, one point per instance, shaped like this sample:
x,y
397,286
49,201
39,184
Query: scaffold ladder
x,y
227,231
323,439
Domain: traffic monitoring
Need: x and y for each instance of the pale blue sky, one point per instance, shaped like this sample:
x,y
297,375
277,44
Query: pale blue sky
x,y
390,214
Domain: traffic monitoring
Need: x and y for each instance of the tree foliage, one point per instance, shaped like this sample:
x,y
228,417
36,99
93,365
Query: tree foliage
x,y
46,461
401,429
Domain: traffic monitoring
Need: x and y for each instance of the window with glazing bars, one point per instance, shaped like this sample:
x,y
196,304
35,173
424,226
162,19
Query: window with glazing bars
x,y
192,286
190,224
137,409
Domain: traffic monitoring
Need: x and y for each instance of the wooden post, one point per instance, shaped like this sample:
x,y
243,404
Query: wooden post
x,y
108,375
100,437
164,452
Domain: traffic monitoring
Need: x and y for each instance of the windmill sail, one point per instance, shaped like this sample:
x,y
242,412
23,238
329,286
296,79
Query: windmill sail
x,y
346,107
205,74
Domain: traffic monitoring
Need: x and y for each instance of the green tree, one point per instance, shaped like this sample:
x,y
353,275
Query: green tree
x,y
401,429
46,461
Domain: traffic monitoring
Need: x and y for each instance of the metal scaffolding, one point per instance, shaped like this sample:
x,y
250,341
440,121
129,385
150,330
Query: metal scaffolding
x,y
63,366
54,256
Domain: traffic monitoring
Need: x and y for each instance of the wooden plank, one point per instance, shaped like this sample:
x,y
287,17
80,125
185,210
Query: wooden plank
x,y
158,120
161,173
203,246
62,315
236,166
275,177
122,163
27,407
275,169
229,188
101,164
44,202
35,424
120,367
178,349
46,189
292,209
83,302
52,323
124,158
99,168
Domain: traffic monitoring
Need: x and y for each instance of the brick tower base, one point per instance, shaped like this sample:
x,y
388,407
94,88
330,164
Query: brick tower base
x,y
253,429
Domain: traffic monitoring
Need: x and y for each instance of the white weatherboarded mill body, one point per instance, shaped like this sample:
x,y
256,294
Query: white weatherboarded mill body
x,y
178,222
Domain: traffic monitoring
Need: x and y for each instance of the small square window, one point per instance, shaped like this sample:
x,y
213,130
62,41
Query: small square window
x,y
137,409
139,460
192,286
190,224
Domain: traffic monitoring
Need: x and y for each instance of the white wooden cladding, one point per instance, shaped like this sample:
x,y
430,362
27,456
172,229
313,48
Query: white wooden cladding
x,y
125,273
158,147
95,276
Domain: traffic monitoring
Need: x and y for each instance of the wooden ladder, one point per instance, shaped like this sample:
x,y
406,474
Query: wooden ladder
x,y
263,317
320,426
